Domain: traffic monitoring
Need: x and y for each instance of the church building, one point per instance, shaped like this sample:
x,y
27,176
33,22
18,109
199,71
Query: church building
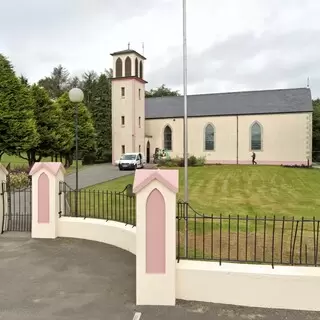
x,y
224,128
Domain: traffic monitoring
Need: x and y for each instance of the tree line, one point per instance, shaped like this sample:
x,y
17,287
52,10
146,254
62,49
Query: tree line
x,y
38,120
316,130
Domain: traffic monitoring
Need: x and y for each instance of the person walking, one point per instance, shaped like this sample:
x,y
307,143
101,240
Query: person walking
x,y
254,158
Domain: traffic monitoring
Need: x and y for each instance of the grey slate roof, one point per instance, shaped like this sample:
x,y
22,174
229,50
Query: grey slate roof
x,y
233,103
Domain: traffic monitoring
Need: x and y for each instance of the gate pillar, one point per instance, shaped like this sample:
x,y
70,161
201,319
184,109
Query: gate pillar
x,y
46,177
156,236
3,197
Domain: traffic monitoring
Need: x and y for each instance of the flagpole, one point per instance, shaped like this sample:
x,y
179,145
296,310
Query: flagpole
x,y
185,126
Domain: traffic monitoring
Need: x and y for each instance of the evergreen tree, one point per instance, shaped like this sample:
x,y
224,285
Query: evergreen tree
x,y
24,80
316,130
90,80
101,114
58,82
86,131
18,131
55,137
162,91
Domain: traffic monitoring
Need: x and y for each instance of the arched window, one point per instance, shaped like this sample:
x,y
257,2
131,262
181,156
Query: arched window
x,y
141,70
167,138
136,68
209,138
256,136
118,68
128,67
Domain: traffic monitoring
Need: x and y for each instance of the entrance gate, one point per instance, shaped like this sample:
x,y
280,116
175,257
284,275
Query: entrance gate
x,y
17,205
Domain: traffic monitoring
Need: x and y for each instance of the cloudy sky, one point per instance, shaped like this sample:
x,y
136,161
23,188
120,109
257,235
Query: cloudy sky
x,y
232,45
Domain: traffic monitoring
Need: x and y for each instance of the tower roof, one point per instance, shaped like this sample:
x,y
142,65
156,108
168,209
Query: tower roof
x,y
128,51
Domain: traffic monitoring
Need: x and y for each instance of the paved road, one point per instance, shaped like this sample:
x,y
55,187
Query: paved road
x,y
68,279
95,174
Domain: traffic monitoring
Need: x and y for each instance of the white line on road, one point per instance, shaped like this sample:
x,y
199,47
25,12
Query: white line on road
x,y
137,316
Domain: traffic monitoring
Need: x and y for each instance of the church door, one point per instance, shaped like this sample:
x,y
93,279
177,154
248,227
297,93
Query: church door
x,y
148,152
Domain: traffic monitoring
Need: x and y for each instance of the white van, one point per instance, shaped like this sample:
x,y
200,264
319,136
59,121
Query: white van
x,y
132,161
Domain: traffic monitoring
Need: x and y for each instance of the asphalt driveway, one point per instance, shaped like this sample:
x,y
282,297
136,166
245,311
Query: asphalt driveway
x,y
69,279
98,173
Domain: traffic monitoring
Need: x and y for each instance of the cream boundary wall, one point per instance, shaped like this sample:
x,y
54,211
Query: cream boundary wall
x,y
283,287
295,288
110,232
286,138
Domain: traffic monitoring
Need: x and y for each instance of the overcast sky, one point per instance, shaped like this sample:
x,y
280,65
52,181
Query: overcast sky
x,y
232,45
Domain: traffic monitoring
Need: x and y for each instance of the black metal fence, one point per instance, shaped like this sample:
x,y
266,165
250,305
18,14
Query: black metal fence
x,y
17,206
260,240
99,204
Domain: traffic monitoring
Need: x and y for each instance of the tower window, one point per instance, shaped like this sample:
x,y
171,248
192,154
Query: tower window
x,y
136,69
123,92
127,67
123,149
118,68
122,121
139,94
139,148
139,121
141,70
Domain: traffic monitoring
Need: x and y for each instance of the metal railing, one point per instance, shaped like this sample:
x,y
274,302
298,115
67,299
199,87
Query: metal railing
x,y
99,204
17,208
260,240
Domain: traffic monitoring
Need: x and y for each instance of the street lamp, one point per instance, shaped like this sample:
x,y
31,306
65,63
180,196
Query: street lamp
x,y
76,95
185,122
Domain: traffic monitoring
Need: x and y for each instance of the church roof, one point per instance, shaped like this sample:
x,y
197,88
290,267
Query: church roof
x,y
232,103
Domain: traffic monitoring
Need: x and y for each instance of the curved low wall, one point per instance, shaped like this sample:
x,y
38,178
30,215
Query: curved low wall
x,y
110,232
290,287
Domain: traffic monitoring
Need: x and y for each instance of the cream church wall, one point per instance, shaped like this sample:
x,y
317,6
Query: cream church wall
x,y
286,138
155,128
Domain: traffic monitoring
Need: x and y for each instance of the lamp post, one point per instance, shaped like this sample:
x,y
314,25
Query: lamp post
x,y
76,95
185,122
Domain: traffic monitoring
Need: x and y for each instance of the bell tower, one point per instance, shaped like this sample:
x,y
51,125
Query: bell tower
x,y
128,103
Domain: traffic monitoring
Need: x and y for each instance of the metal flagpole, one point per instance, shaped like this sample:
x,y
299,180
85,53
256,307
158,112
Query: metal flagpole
x,y
185,127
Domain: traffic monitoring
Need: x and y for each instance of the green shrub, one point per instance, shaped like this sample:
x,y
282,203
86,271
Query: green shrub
x,y
18,168
88,159
107,156
201,161
18,180
192,161
179,162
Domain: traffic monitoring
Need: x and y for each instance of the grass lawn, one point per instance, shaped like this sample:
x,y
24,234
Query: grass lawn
x,y
246,190
17,162
243,192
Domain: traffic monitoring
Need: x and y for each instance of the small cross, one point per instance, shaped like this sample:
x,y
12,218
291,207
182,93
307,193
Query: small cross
x,y
128,45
